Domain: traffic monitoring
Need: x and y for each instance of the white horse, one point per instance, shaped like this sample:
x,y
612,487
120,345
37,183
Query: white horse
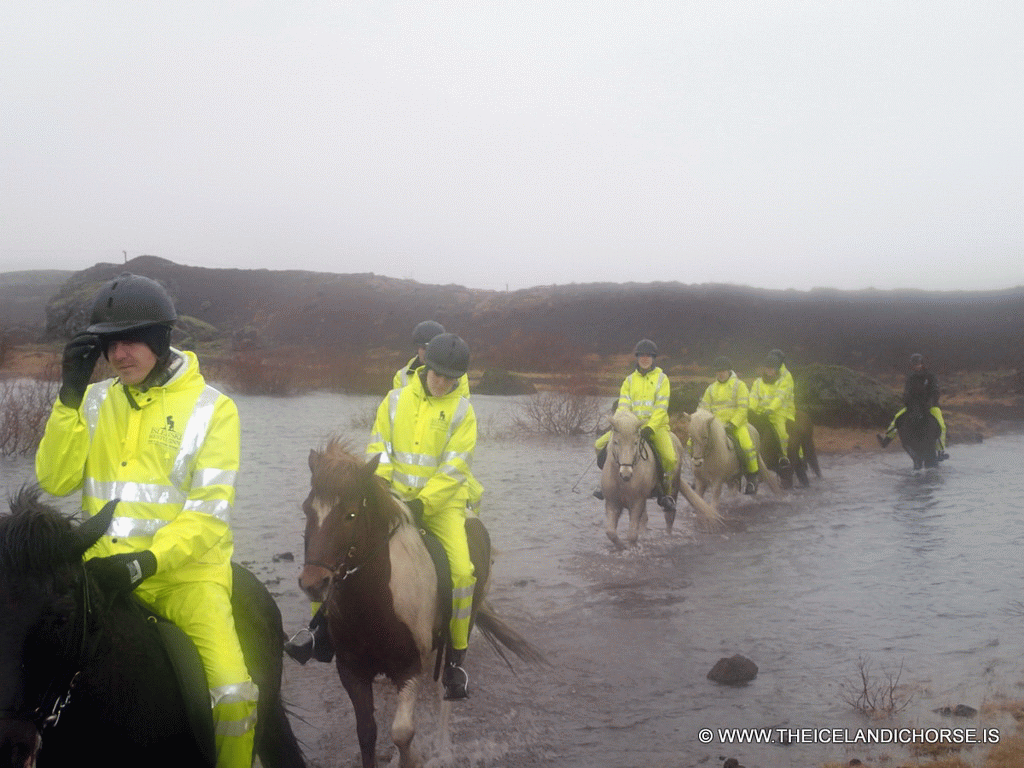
x,y
714,458
630,476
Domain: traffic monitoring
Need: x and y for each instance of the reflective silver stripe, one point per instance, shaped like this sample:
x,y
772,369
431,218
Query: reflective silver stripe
x,y
94,398
148,493
196,430
218,508
462,613
234,728
126,527
416,459
413,481
463,592
204,478
227,694
393,405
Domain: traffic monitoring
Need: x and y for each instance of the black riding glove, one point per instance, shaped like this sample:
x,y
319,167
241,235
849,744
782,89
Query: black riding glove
x,y
80,356
122,573
416,507
648,433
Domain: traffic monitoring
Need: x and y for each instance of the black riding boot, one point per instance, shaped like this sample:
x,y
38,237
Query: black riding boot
x,y
602,456
312,642
454,678
665,500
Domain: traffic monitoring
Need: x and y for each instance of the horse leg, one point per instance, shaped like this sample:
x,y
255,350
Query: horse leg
x,y
403,727
637,518
360,692
611,521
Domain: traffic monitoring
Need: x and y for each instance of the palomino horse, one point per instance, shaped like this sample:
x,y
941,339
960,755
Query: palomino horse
x,y
629,478
919,435
714,459
86,676
800,452
367,562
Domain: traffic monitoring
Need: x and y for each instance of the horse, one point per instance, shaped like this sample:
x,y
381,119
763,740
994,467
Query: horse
x,y
919,435
801,451
86,675
366,561
714,458
630,476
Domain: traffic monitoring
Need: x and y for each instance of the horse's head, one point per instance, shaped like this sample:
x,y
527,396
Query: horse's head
x,y
346,511
625,442
699,430
40,567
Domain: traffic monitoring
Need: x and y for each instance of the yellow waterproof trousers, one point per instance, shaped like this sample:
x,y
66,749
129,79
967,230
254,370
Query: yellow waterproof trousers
x,y
742,435
203,612
449,525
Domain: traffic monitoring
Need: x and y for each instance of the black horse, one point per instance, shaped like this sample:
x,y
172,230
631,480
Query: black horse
x,y
84,677
919,435
800,452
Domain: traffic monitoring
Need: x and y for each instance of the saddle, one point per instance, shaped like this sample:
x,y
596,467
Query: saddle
x,y
189,671
191,677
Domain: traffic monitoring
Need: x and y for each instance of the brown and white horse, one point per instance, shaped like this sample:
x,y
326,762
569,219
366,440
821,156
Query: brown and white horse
x,y
367,562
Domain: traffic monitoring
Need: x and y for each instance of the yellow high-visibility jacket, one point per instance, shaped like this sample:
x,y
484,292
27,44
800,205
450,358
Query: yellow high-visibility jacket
x,y
728,400
774,398
646,395
171,458
426,445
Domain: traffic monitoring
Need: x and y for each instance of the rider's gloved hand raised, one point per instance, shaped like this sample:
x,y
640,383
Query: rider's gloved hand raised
x,y
80,356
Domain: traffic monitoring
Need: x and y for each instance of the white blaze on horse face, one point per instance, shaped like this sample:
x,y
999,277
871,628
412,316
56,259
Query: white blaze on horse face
x,y
322,508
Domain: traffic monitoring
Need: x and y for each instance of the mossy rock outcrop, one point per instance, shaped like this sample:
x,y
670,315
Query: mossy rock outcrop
x,y
498,382
835,396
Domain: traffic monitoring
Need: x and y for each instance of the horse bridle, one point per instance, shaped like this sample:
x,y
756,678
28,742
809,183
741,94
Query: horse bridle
x,y
640,455
48,711
341,569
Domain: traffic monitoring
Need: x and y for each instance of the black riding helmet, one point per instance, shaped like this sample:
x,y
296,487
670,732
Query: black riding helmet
x,y
916,359
721,363
425,331
447,355
774,359
133,307
645,347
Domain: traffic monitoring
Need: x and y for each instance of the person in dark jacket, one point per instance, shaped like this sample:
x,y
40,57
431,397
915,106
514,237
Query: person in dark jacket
x,y
921,388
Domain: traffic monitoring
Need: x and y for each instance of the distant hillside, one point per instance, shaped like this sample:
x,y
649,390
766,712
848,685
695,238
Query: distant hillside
x,y
556,327
23,299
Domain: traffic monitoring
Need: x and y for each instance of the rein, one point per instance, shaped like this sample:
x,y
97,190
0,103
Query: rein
x,y
640,455
341,568
47,713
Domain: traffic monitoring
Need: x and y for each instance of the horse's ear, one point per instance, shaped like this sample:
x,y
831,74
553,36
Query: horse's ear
x,y
90,531
312,460
371,465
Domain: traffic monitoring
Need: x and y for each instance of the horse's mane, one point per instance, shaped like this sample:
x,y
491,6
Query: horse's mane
x,y
35,538
624,419
339,472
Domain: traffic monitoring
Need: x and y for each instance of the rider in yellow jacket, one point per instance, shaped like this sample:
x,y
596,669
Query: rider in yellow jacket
x,y
727,398
772,395
425,434
167,445
646,393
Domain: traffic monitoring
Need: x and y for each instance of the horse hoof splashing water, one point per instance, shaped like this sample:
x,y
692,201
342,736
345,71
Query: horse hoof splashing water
x,y
86,677
366,561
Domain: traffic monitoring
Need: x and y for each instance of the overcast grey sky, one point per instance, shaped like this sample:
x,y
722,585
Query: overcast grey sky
x,y
782,144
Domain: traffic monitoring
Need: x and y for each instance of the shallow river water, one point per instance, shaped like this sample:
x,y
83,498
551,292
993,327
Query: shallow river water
x,y
909,573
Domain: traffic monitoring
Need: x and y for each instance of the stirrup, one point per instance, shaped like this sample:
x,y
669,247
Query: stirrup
x,y
456,683
300,645
667,503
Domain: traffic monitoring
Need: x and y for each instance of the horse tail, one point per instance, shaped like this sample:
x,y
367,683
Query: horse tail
x,y
709,517
769,476
499,633
810,452
278,747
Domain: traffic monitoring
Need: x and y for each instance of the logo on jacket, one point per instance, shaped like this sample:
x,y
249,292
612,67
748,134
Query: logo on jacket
x,y
165,436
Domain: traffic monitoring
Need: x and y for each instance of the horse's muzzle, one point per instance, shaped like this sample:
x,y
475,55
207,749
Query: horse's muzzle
x,y
19,743
314,581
